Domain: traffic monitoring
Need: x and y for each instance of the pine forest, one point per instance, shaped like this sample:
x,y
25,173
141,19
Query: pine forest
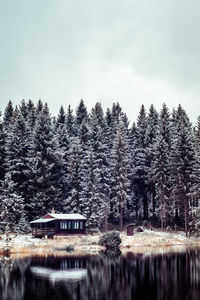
x,y
99,165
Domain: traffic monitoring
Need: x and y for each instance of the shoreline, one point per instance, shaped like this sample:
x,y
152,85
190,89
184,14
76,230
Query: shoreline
x,y
147,242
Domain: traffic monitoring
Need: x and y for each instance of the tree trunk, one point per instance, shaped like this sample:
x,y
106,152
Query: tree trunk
x,y
186,215
121,218
145,206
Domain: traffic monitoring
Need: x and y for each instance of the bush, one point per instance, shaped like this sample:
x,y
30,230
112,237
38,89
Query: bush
x,y
110,240
69,248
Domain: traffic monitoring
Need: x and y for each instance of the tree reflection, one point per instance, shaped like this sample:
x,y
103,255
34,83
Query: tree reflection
x,y
12,277
171,276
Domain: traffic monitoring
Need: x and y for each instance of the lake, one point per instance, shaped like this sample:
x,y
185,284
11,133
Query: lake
x,y
170,276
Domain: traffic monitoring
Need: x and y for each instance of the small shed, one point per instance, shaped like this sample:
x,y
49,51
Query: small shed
x,y
58,224
130,229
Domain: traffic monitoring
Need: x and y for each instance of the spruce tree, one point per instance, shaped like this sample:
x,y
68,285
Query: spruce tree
x,y
160,177
11,204
70,122
141,166
183,162
17,148
121,173
81,114
23,107
101,166
8,115
47,165
2,150
61,119
73,177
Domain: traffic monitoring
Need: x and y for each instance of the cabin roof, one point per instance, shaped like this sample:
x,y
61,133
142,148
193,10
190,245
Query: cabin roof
x,y
59,217
42,220
68,216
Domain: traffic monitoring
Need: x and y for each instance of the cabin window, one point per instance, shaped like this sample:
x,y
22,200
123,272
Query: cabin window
x,y
69,226
76,225
63,225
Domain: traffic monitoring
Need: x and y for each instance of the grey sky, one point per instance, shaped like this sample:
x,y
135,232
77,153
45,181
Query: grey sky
x,y
131,51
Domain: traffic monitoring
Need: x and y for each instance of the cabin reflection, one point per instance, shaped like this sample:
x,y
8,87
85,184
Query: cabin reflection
x,y
61,269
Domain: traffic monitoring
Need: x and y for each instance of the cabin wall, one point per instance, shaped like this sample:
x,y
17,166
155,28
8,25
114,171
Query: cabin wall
x,y
54,228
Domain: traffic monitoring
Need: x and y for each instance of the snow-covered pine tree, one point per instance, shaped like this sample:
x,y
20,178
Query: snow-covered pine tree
x,y
90,194
197,134
70,122
152,133
61,119
2,150
183,162
31,118
39,107
132,147
8,115
64,146
23,108
160,177
47,165
73,177
141,166
101,165
121,173
81,114
17,148
196,171
165,125
11,204
23,225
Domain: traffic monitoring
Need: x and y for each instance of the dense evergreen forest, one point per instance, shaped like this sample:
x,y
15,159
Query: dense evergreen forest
x,y
98,164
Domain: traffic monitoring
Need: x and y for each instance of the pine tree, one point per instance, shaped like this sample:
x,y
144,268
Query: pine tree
x,y
81,114
152,132
61,119
70,122
24,109
183,162
92,203
73,177
11,205
8,115
121,173
2,150
17,148
141,166
64,146
101,166
160,176
31,117
47,165
39,107
165,125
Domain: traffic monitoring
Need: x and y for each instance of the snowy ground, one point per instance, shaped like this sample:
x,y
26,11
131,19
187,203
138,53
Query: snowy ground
x,y
144,242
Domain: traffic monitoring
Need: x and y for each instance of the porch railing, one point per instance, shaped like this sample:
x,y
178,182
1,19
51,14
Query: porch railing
x,y
43,231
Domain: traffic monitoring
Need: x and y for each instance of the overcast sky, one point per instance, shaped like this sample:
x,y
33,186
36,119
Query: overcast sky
x,y
131,51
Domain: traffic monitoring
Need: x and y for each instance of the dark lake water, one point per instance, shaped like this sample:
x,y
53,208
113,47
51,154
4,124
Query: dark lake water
x,y
171,276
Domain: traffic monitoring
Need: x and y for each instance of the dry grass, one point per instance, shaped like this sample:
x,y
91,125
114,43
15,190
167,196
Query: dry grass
x,y
145,242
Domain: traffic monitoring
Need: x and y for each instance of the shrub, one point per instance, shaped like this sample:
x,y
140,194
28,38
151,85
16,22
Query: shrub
x,y
110,240
69,248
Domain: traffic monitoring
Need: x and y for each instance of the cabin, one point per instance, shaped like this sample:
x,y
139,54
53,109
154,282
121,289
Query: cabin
x,y
58,225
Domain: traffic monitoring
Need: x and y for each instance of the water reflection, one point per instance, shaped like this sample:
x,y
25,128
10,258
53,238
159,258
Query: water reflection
x,y
171,276
70,269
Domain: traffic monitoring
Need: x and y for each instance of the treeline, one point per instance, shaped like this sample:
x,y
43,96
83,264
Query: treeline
x,y
96,164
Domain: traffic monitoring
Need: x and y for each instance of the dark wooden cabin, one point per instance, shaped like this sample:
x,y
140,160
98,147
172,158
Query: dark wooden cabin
x,y
59,225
